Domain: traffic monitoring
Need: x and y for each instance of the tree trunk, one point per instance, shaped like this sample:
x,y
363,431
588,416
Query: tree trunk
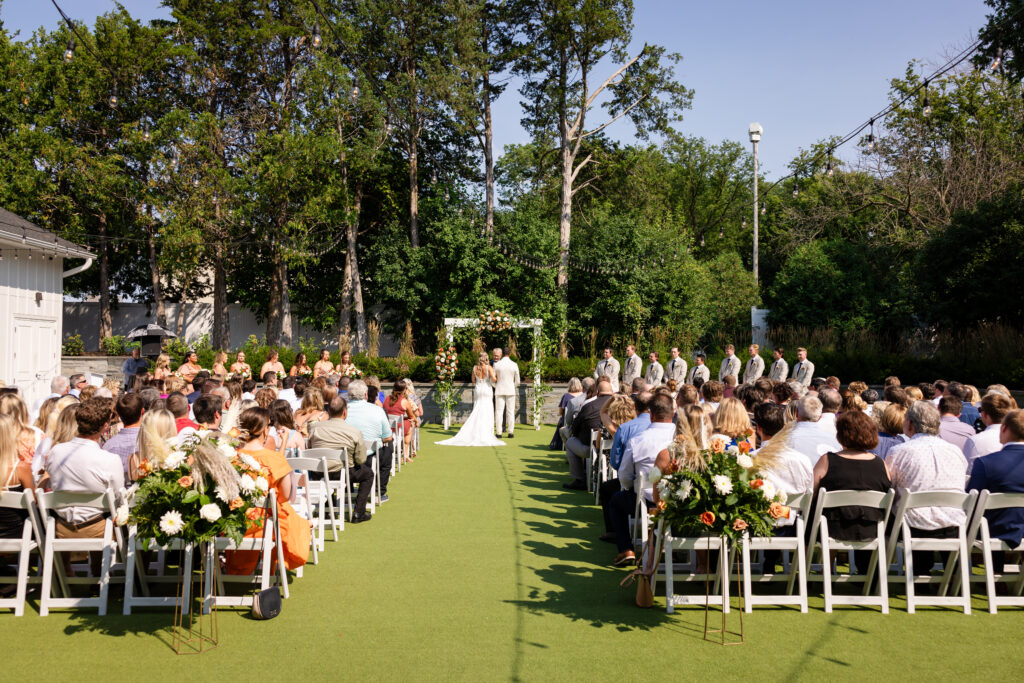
x,y
154,267
362,338
106,327
345,321
180,322
488,159
221,326
414,195
564,224
279,316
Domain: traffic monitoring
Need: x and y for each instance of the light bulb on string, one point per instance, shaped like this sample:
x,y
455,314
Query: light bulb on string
x,y
927,103
69,54
828,164
145,132
317,40
763,209
742,225
999,58
112,100
796,186
355,93
195,181
871,136
433,178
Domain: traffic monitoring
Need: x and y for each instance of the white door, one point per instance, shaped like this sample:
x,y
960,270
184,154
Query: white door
x,y
36,354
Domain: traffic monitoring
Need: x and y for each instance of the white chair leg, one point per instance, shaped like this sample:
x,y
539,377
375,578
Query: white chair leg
x,y
669,579
47,587
908,560
990,581
22,588
108,551
129,575
826,565
748,592
883,568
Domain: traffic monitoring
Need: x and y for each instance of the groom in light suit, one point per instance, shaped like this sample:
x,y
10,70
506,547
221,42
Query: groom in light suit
x,y
505,390
610,367
632,367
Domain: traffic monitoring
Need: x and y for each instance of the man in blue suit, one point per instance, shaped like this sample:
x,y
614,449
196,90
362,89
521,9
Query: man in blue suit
x,y
1003,472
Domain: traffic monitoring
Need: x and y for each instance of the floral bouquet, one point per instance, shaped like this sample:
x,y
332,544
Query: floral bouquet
x,y
494,321
353,372
718,491
282,375
446,362
197,490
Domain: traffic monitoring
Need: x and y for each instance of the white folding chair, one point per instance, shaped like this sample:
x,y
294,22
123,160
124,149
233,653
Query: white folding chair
x,y
374,447
980,538
601,466
901,541
795,564
136,569
311,496
718,588
339,486
641,519
592,459
23,547
266,544
398,431
49,504
868,499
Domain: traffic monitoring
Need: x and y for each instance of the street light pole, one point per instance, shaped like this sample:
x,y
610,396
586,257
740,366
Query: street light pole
x,y
755,132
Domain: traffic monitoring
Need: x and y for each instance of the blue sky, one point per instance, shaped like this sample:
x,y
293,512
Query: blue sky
x,y
804,69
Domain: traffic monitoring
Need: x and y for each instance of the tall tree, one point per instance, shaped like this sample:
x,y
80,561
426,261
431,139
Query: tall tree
x,y
570,38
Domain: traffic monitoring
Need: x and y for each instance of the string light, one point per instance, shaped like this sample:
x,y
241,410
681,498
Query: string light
x,y
355,93
145,132
69,54
317,40
763,209
828,165
113,98
796,186
927,103
999,58
871,136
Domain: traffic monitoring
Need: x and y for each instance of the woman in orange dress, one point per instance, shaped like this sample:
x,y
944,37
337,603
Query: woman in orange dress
x,y
255,428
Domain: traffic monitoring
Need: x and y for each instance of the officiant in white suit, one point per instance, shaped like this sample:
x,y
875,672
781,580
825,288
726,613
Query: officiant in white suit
x,y
505,390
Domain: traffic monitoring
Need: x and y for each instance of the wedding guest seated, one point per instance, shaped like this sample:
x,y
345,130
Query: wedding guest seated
x,y
577,448
61,428
588,391
641,453
855,468
287,392
729,386
928,463
197,385
806,436
336,433
312,410
266,396
914,394
248,389
148,395
711,393
686,395
269,379
207,411
156,429
574,389
782,393
831,402
284,423
951,429
927,390
178,405
1002,472
232,404
618,410
732,422
994,408
889,417
124,444
790,471
891,381
870,397
970,414
342,385
15,477
254,425
28,438
852,401
699,423
81,466
373,423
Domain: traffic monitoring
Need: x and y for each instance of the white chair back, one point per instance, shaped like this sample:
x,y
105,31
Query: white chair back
x,y
23,546
980,538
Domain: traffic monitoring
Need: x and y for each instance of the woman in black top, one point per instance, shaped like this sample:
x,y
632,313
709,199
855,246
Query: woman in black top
x,y
854,468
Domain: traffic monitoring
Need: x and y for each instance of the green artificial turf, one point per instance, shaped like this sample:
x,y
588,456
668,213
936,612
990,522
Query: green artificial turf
x,y
481,567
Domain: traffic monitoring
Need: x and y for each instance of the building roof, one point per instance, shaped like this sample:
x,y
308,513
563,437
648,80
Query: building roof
x,y
18,233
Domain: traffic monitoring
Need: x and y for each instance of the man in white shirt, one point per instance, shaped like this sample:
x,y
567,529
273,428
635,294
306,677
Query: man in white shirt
x,y
831,402
77,382
59,386
610,367
641,452
928,463
287,392
676,368
81,466
994,408
807,437
632,366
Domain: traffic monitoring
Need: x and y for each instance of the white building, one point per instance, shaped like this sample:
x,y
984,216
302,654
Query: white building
x,y
32,303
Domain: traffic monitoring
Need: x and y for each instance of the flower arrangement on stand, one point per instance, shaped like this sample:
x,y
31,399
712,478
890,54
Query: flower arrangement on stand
x,y
352,372
494,321
193,492
446,362
719,491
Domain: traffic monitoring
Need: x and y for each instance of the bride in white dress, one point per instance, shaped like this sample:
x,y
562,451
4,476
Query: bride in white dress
x,y
479,428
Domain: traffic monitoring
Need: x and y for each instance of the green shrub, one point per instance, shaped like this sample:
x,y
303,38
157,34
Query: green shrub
x,y
116,345
73,345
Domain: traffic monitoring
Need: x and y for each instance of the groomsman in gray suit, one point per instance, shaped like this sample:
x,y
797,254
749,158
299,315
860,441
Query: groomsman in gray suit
x,y
676,368
755,366
633,367
780,368
655,373
608,366
698,371
803,371
730,364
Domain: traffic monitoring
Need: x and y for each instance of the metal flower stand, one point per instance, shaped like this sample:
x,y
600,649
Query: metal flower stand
x,y
723,573
195,625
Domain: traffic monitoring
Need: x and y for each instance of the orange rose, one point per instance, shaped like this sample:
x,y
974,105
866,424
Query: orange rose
x,y
185,481
235,504
778,511
708,517
717,446
265,471
756,483
739,525
744,447
145,467
661,506
253,514
234,432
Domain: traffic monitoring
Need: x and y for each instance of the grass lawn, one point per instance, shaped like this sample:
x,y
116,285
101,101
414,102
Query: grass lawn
x,y
481,567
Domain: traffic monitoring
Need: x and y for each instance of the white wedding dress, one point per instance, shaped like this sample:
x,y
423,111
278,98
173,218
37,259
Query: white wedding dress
x,y
478,430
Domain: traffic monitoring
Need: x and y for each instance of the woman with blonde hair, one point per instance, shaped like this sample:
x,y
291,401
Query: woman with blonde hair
x,y
163,367
156,427
44,413
15,477
478,429
172,384
311,410
617,410
699,423
219,371
240,367
64,428
28,438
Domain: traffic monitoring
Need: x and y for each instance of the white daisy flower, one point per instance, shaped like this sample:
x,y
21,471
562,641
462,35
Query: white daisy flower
x,y
262,484
171,523
769,490
174,460
722,484
221,496
247,484
683,492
